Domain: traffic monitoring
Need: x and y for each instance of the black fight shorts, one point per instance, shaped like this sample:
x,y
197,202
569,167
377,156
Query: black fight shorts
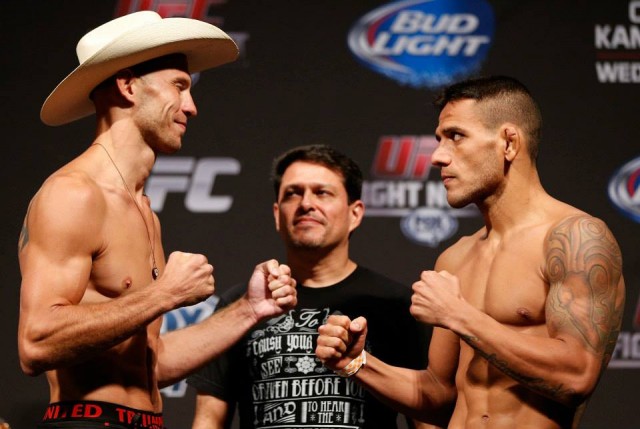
x,y
94,415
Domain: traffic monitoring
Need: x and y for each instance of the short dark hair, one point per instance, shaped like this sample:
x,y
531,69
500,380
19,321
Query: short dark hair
x,y
325,156
504,99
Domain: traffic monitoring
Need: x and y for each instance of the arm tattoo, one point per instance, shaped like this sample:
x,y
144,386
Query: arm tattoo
x,y
24,233
585,299
24,237
533,383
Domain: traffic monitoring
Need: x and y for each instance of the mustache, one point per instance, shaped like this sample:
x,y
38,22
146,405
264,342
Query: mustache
x,y
308,217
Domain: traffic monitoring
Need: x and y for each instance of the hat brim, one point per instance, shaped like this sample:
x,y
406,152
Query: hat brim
x,y
204,45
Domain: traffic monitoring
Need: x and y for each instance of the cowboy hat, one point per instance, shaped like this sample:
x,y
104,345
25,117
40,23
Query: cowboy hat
x,y
125,42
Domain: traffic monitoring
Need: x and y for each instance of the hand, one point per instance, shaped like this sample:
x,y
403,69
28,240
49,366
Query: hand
x,y
188,278
436,298
340,341
272,290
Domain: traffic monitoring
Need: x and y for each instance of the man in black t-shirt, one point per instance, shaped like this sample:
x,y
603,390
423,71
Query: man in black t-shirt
x,y
272,374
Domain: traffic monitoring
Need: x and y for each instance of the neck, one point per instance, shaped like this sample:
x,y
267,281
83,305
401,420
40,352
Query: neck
x,y
133,160
519,202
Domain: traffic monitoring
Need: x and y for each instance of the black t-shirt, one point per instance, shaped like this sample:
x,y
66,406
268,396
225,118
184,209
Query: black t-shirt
x,y
275,378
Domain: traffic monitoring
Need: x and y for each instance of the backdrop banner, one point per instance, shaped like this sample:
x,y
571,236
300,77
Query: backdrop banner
x,y
360,76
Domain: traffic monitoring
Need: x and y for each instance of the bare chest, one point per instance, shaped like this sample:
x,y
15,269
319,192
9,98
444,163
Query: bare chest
x,y
507,283
125,259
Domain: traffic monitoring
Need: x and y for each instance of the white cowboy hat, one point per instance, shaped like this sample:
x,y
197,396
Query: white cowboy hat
x,y
127,41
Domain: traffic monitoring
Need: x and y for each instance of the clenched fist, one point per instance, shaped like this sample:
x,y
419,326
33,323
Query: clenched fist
x,y
340,341
187,278
272,290
436,298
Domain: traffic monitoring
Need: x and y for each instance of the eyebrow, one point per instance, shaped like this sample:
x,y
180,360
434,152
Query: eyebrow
x,y
449,130
311,185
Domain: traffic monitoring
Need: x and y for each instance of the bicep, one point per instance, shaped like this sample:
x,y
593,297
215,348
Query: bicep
x,y
586,289
211,412
56,258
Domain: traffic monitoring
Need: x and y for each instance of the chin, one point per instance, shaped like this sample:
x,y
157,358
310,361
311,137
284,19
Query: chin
x,y
170,148
458,203
307,244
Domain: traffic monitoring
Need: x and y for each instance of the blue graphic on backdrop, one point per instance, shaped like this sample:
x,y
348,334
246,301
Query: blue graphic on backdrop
x,y
424,43
624,189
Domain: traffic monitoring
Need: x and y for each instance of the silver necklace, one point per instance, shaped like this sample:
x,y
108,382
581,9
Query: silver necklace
x,y
154,270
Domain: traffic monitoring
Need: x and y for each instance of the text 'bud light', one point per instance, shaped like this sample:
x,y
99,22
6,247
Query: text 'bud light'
x,y
424,43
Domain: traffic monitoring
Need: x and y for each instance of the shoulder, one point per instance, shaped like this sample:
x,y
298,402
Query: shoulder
x,y
70,191
68,201
580,241
458,252
374,287
364,274
578,227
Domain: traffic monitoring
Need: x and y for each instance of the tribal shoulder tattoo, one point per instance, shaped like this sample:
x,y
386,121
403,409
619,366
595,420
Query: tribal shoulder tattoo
x,y
584,266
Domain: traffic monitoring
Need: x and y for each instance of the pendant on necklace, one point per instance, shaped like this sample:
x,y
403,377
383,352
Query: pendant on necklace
x,y
155,273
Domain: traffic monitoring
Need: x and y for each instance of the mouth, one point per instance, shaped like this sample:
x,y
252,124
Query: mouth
x,y
306,220
446,178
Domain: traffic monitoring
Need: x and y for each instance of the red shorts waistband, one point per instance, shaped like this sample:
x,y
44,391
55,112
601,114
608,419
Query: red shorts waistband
x,y
102,412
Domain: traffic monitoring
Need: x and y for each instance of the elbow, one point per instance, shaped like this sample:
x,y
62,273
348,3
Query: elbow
x,y
29,369
581,385
34,359
30,364
582,390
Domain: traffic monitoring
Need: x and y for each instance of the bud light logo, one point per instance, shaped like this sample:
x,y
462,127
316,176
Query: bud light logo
x,y
424,43
624,189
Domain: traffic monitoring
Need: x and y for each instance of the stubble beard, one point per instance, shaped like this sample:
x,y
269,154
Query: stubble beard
x,y
306,244
488,186
161,142
306,240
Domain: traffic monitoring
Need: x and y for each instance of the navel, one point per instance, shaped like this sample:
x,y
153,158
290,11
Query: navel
x,y
127,283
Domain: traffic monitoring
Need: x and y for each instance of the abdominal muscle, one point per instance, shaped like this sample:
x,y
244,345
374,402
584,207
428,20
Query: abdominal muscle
x,y
122,375
489,399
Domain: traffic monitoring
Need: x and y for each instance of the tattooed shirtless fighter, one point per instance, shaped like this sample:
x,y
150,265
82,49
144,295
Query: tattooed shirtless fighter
x,y
526,310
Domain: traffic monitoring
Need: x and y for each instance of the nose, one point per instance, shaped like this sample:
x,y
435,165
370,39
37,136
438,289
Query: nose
x,y
188,105
306,202
441,156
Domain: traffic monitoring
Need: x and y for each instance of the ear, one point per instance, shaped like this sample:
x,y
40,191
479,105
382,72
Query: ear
x,y
512,138
124,82
276,215
356,210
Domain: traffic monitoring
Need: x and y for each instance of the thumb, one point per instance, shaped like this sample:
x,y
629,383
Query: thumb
x,y
358,325
358,333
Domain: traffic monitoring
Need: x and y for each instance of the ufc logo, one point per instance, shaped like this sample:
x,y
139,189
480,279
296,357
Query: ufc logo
x,y
210,11
195,178
404,157
198,9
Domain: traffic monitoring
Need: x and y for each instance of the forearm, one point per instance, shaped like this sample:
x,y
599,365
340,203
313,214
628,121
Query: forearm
x,y
210,413
558,368
183,351
415,393
68,334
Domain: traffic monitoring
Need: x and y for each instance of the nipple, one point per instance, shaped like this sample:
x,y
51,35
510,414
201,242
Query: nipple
x,y
127,282
524,313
